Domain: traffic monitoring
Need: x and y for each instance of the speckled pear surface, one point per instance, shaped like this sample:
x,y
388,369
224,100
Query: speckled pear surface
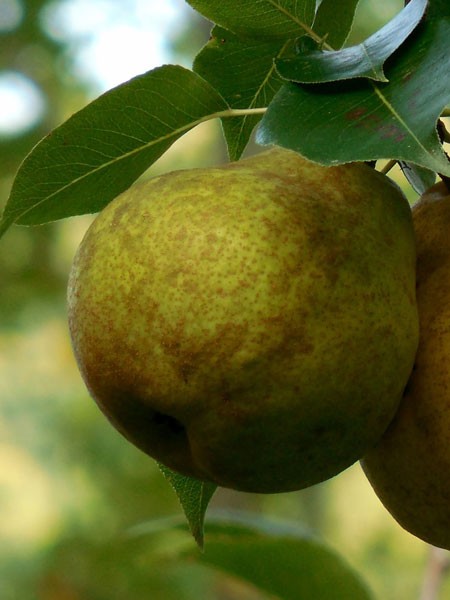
x,y
252,325
410,467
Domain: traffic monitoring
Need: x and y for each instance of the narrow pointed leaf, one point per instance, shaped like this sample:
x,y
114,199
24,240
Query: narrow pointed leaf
x,y
83,164
419,178
264,19
327,26
194,496
364,60
242,70
280,559
338,123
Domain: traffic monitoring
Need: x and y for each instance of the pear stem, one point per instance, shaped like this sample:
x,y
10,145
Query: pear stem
x,y
437,567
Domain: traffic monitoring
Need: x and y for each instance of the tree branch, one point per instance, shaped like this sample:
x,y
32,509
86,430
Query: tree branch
x,y
437,567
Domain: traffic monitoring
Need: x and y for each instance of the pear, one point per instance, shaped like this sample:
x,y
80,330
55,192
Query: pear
x,y
251,325
410,467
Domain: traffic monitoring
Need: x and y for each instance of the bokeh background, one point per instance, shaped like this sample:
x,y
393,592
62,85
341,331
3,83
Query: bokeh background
x,y
70,487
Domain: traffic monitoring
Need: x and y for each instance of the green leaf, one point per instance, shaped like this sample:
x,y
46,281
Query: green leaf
x,y
264,19
194,496
327,26
244,74
98,153
281,559
362,121
438,8
364,60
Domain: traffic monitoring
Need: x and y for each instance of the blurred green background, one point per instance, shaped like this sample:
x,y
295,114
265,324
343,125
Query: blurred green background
x,y
70,486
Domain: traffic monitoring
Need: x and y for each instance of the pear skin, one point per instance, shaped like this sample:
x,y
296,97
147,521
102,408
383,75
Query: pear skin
x,y
252,325
409,468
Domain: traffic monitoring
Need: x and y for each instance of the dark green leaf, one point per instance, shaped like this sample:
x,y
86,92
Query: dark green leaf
x,y
364,60
335,30
244,74
101,150
264,19
280,559
194,496
438,8
363,121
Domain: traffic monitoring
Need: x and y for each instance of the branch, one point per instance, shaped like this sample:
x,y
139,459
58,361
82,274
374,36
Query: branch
x,y
388,166
437,567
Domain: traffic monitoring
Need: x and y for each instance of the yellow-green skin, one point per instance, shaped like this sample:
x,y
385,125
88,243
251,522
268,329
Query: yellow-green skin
x,y
410,467
253,325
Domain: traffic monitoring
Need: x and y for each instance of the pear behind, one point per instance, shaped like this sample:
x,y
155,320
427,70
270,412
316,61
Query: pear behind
x,y
409,468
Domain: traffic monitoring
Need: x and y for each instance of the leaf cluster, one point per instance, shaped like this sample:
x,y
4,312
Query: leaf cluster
x,y
280,66
275,64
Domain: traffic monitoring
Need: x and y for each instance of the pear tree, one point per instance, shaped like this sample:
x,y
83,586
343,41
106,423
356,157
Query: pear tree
x,y
256,325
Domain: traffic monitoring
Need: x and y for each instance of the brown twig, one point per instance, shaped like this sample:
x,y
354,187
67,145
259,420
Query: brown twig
x,y
444,135
388,166
437,567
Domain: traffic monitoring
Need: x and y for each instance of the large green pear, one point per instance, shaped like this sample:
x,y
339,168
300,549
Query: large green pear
x,y
410,467
254,324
